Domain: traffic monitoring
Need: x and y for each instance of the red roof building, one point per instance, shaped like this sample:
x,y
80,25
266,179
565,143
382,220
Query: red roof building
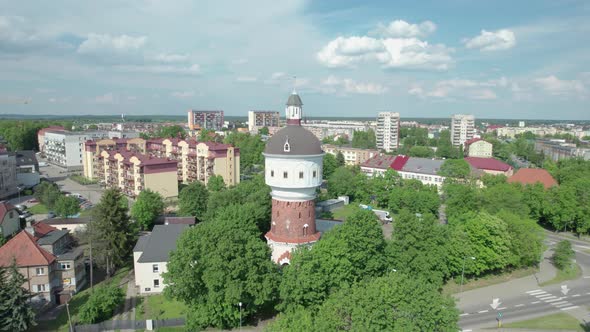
x,y
25,250
533,175
490,165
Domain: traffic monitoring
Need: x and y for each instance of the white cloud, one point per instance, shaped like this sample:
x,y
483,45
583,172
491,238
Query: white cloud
x,y
409,53
492,40
59,100
246,79
171,58
336,85
460,89
400,28
183,94
108,98
194,69
100,43
556,86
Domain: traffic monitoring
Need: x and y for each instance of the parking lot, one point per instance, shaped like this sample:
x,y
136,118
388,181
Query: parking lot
x,y
59,176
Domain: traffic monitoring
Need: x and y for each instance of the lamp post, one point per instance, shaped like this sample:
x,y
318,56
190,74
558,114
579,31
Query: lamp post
x,y
463,272
240,305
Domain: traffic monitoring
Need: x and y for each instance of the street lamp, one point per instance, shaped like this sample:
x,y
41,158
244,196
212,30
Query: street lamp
x,y
463,272
19,188
240,305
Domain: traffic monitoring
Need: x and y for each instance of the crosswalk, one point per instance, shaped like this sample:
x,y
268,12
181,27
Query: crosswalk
x,y
559,302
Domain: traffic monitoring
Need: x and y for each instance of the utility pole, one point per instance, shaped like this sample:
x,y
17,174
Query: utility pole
x,y
91,266
71,329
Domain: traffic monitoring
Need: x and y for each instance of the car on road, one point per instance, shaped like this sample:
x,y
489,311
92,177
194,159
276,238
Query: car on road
x,y
33,200
51,215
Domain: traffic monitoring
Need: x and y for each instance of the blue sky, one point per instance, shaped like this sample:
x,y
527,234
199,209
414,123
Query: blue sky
x,y
494,59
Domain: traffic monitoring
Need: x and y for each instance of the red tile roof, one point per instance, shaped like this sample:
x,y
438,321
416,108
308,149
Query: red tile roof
x,y
490,164
399,162
25,250
42,229
471,141
532,176
5,206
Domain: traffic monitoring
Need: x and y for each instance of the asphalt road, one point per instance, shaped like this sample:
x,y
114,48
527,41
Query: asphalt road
x,y
524,300
59,176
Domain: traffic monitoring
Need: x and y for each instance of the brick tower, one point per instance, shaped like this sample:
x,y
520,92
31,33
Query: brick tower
x,y
293,170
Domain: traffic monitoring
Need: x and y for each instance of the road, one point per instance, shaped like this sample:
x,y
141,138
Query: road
x,y
59,176
523,298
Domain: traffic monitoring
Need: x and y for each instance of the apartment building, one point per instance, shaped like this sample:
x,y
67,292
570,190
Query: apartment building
x,y
322,128
387,134
557,149
8,175
352,156
27,169
462,128
210,120
41,136
476,147
195,161
261,119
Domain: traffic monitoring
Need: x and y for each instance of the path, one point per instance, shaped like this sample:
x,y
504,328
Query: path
x,y
128,312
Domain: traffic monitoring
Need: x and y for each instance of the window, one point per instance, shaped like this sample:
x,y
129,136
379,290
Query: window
x,y
301,175
285,175
147,289
65,266
40,271
314,173
155,268
287,147
156,283
11,215
39,288
272,173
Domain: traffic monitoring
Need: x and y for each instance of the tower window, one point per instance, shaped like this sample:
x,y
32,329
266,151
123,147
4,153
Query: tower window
x,y
272,173
287,146
285,175
301,175
314,174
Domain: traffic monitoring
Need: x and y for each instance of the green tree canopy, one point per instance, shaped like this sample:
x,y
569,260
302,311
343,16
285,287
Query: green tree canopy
x,y
251,147
421,151
101,304
455,169
329,166
16,312
340,159
148,206
348,253
216,183
563,255
192,200
348,181
218,264
364,139
47,193
67,206
263,131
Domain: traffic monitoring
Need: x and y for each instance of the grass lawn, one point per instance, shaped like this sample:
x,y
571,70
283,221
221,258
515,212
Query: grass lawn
x,y
570,273
345,211
159,307
38,209
453,286
560,321
139,309
61,322
171,329
86,213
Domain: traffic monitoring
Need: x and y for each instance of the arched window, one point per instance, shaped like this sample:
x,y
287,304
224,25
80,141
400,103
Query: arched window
x,y
301,175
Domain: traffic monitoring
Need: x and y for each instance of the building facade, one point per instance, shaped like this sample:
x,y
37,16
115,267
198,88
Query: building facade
x,y
490,166
557,149
27,169
293,170
209,120
462,128
261,119
476,147
387,134
8,175
322,128
9,219
424,170
352,156
41,136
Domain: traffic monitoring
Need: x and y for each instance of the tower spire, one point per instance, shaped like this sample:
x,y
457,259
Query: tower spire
x,y
294,109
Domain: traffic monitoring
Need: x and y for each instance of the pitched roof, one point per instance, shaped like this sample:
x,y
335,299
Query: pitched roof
x,y
179,220
379,161
490,164
5,206
532,176
160,242
25,250
52,237
471,141
42,229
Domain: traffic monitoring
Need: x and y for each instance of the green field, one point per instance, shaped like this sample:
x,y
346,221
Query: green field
x,y
38,209
159,307
560,321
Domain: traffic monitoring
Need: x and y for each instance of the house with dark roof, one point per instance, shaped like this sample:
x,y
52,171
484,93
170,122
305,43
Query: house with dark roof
x,y
151,255
423,169
9,219
531,176
490,166
50,261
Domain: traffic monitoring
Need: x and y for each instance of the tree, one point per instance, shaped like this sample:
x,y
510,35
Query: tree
x,y
563,255
101,304
504,196
526,243
92,127
455,169
67,206
421,151
364,139
329,166
460,199
47,193
216,183
192,200
174,131
147,208
111,231
219,263
445,149
348,181
340,159
346,254
263,131
15,309
418,247
415,197
251,147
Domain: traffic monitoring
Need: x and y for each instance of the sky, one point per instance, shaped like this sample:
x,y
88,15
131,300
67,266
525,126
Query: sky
x,y
494,59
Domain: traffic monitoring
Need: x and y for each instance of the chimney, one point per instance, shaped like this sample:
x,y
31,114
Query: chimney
x,y
29,228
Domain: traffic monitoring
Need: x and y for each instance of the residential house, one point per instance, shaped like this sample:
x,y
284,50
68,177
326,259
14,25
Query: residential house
x,y
490,166
151,255
9,219
476,147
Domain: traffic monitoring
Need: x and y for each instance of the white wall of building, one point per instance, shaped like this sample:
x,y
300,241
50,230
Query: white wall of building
x,y
387,134
145,275
462,128
296,187
480,149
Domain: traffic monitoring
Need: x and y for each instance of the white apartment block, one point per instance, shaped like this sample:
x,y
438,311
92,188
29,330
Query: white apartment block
x,y
387,131
462,128
261,119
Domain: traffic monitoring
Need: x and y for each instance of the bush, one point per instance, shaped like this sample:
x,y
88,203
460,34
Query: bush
x,y
101,304
83,180
563,254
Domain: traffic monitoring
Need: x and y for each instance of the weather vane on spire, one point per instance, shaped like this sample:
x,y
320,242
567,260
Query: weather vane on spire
x,y
294,84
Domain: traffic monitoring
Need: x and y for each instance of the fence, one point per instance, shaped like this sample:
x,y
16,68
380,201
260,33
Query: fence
x,y
128,325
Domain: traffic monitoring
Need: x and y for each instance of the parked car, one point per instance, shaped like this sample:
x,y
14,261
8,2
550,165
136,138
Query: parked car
x,y
21,207
33,200
51,215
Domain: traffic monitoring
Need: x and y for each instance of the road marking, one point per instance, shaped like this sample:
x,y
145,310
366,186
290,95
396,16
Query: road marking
x,y
519,305
465,314
559,303
553,300
502,308
539,293
535,302
568,308
546,297
586,277
535,291
482,312
575,295
563,305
